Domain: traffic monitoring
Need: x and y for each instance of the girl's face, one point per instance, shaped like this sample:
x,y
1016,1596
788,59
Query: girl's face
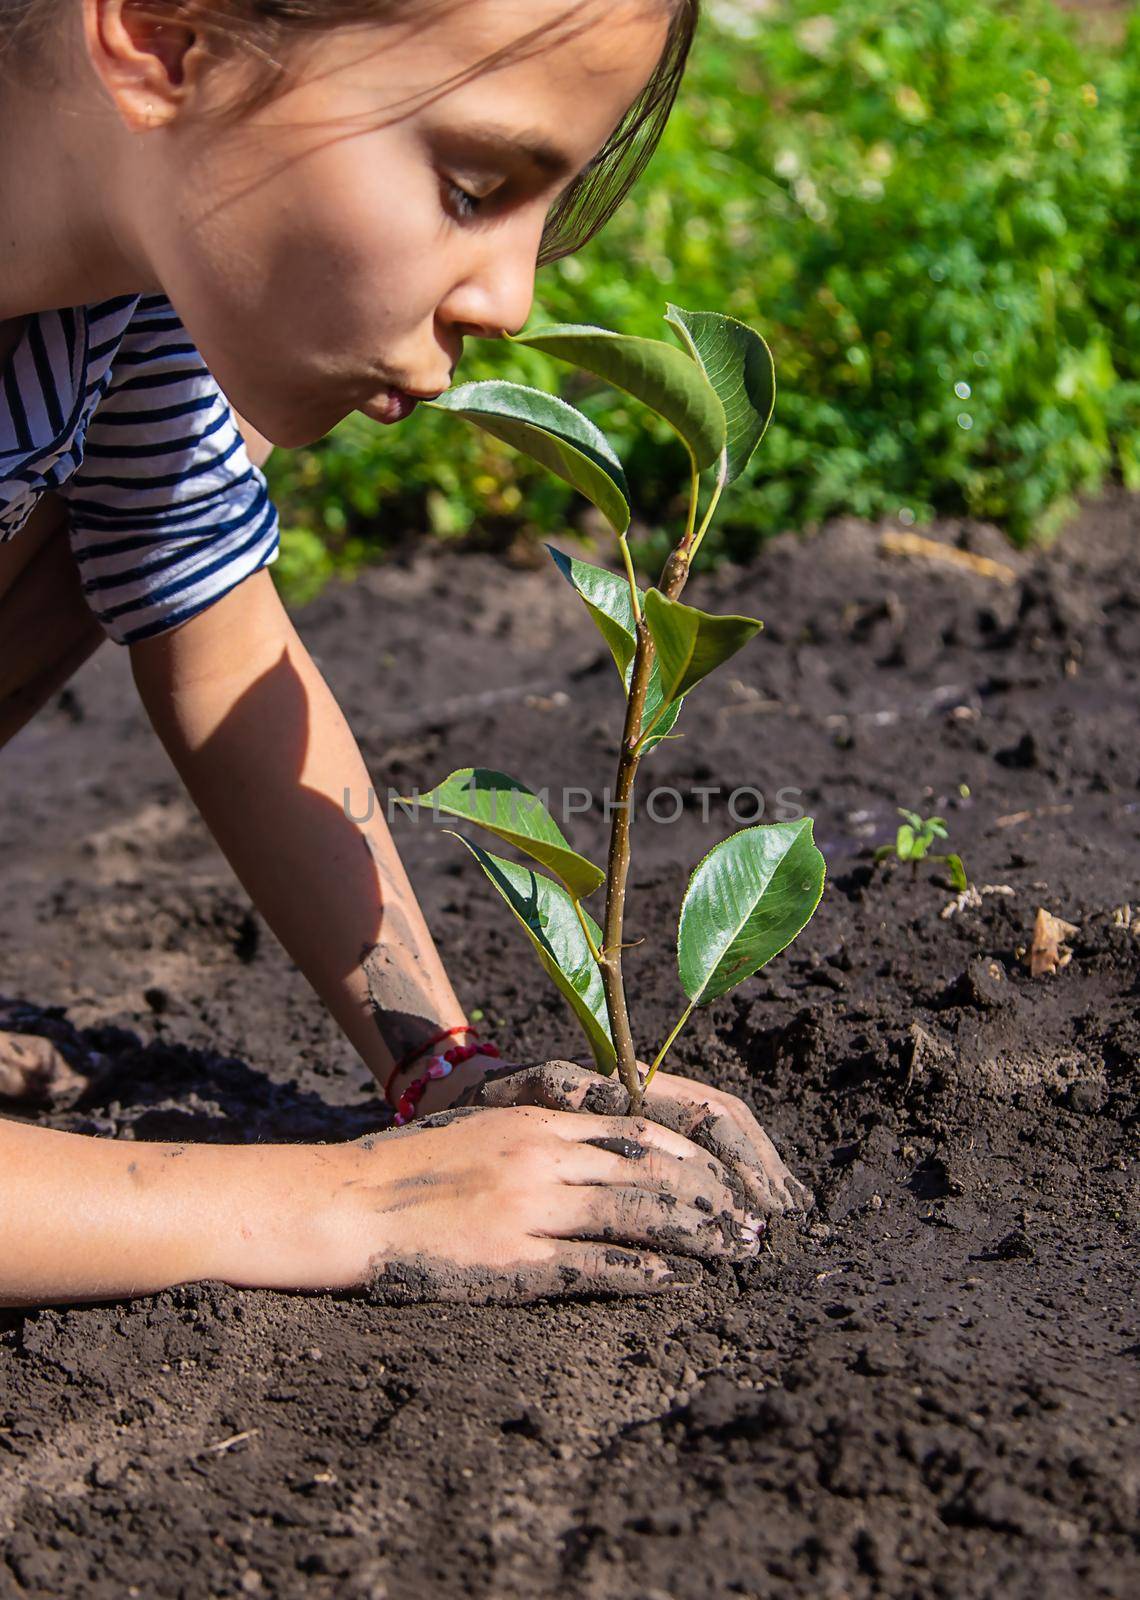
x,y
342,241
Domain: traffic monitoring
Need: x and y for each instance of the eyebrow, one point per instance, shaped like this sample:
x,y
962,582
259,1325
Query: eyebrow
x,y
535,147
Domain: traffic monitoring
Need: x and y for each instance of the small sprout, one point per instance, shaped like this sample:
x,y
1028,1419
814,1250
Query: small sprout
x,y
913,841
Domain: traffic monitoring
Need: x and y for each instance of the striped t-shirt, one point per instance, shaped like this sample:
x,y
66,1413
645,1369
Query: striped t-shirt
x,y
112,408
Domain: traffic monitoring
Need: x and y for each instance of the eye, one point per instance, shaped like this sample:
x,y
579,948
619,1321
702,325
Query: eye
x,y
462,202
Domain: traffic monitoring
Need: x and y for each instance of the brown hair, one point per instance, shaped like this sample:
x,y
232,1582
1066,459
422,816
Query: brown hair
x,y
264,30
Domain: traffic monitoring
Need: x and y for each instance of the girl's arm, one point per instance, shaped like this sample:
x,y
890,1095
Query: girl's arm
x,y
267,756
492,1204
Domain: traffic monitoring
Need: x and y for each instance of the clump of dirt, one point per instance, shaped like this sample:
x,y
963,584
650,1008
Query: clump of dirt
x,y
925,1386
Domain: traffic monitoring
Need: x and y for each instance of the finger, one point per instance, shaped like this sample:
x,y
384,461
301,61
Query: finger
x,y
717,1120
585,1126
755,1161
662,1142
584,1267
555,1085
570,1267
757,1173
623,1163
769,1157
719,1164
644,1216
586,1089
546,1269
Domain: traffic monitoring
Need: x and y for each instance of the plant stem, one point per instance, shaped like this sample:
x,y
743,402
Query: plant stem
x,y
694,499
722,480
617,872
632,576
673,578
664,1050
647,733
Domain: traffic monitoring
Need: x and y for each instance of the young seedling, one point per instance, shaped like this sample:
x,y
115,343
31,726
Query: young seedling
x,y
752,893
913,841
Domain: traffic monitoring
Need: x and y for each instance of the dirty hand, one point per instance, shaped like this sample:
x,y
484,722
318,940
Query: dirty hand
x,y
718,1122
521,1203
34,1073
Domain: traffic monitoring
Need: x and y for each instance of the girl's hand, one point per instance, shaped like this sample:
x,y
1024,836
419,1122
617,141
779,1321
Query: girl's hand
x,y
721,1123
468,1205
517,1204
726,1126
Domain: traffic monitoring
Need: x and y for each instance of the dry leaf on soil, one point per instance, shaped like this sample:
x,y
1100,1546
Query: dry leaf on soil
x,y
1049,952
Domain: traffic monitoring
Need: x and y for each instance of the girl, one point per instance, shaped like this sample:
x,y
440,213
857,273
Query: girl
x,y
249,218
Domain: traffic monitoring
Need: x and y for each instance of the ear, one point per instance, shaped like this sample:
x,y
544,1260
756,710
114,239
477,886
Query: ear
x,y
148,60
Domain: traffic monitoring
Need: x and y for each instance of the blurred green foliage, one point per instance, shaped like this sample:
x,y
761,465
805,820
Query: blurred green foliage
x,y
928,207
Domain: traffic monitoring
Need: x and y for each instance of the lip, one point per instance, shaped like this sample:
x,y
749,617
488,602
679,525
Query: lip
x,y
394,405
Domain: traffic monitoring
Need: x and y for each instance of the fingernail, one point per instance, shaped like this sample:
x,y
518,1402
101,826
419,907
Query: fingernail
x,y
754,1224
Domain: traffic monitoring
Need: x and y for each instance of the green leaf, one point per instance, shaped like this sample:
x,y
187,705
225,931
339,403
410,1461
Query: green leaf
x,y
957,871
740,368
655,699
547,914
907,846
552,433
665,379
691,643
607,599
515,814
746,901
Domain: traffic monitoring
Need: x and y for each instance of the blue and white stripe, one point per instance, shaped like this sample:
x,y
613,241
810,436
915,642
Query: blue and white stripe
x,y
111,407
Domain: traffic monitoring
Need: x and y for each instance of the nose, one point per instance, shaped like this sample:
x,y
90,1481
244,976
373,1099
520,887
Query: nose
x,y
496,296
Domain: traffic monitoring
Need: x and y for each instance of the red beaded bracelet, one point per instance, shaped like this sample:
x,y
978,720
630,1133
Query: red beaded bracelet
x,y
419,1050
438,1067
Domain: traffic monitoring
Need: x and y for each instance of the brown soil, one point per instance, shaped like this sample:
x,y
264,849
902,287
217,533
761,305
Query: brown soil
x,y
926,1388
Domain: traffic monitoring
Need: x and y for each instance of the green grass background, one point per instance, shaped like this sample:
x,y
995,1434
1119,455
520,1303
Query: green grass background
x,y
930,210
